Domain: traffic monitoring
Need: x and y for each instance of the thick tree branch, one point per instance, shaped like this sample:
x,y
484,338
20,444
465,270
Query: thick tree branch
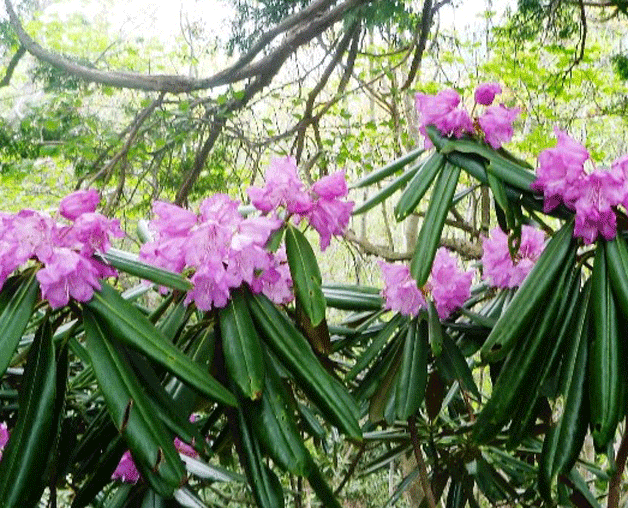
x,y
426,23
12,65
301,28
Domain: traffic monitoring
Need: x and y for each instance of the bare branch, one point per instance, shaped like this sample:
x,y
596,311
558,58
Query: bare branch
x,y
426,23
301,28
464,248
12,65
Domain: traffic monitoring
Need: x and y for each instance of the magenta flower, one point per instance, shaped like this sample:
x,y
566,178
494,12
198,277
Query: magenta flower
x,y
560,171
330,217
499,268
220,209
400,290
78,203
283,188
331,186
91,233
276,281
211,287
496,122
449,286
67,274
32,235
4,437
126,469
597,193
172,220
485,93
457,123
440,110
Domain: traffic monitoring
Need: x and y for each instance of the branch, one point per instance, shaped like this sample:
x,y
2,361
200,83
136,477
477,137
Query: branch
x,y
12,65
465,249
614,485
426,23
301,28
425,481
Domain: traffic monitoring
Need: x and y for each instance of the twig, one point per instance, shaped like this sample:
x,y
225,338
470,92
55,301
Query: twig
x,y
418,454
620,461
351,470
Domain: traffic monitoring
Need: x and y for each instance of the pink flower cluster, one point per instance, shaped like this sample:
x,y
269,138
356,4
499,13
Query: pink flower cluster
x,y
4,437
127,472
448,285
442,110
223,249
499,268
321,205
561,177
65,250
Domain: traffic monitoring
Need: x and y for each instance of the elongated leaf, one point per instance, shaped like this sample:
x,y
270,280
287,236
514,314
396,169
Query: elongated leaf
x,y
264,483
296,355
16,306
25,458
563,442
389,169
530,297
435,330
352,298
241,347
605,363
432,228
413,372
418,186
128,325
388,191
210,472
131,264
458,366
321,488
275,428
504,168
376,346
306,275
164,406
132,413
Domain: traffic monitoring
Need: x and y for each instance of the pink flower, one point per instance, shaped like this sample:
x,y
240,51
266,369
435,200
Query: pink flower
x,y
597,193
440,110
211,287
172,220
331,186
485,93
32,235
330,217
184,448
400,290
4,437
65,275
276,281
220,209
450,287
79,202
560,171
496,123
91,233
499,268
457,123
283,188
126,469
